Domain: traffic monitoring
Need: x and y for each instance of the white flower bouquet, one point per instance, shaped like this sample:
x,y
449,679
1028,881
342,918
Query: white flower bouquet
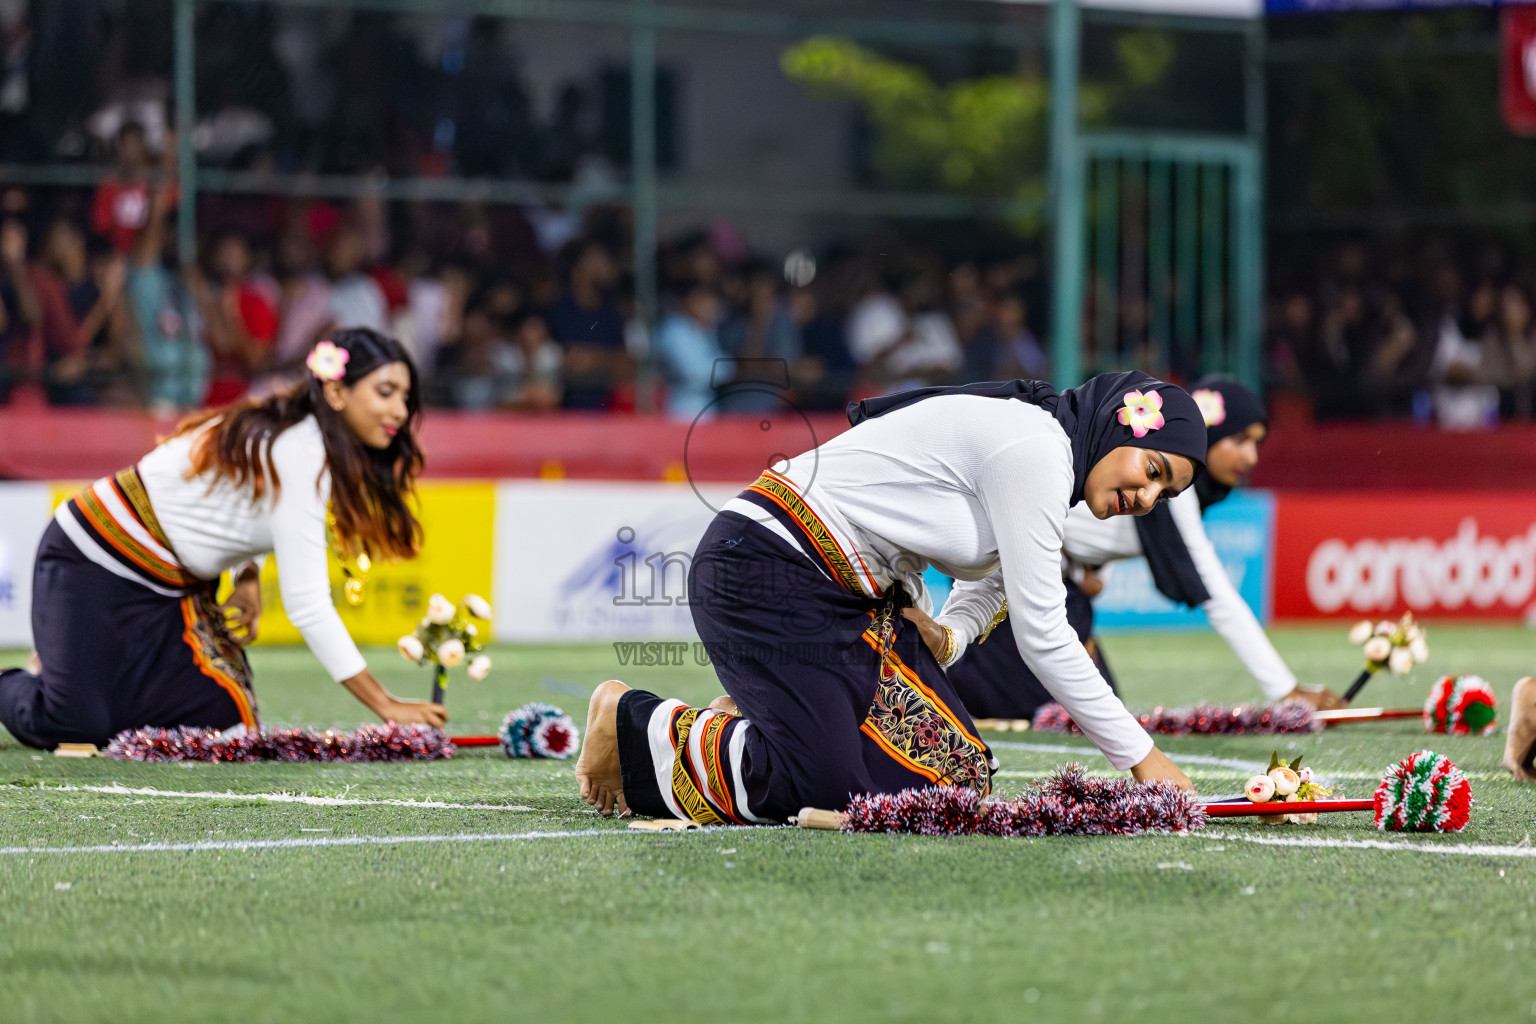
x,y
1395,646
445,638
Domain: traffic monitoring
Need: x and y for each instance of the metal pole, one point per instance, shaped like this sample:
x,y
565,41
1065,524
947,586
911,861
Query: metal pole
x,y
642,179
1159,261
1250,297
1186,225
642,154
186,115
1106,255
1213,355
1067,198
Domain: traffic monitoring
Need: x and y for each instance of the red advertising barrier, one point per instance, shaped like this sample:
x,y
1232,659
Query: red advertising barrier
x,y
1302,456
1379,554
38,443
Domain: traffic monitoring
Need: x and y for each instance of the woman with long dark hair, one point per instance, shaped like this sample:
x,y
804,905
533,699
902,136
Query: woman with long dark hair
x,y
127,627
806,586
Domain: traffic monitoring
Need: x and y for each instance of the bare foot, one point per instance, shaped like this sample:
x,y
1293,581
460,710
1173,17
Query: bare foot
x,y
35,664
597,769
1520,741
726,704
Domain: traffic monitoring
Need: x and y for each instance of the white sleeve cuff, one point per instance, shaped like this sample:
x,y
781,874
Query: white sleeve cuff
x,y
1133,754
344,667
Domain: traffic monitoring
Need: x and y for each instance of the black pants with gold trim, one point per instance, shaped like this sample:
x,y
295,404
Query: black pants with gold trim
x,y
992,679
117,656
837,692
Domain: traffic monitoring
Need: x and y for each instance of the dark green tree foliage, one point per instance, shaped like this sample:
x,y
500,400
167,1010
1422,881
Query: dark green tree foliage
x,y
1392,111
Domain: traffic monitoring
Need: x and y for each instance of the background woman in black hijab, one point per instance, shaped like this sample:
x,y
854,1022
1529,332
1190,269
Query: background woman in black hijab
x,y
800,586
994,682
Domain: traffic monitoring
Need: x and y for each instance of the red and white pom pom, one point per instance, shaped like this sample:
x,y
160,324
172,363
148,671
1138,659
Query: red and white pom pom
x,y
555,737
1424,793
538,730
1461,706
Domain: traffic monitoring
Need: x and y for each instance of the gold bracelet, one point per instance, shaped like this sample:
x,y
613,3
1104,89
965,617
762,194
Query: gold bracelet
x,y
950,646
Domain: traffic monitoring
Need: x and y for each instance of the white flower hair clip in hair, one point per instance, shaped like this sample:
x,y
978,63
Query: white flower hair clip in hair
x,y
328,361
1213,407
1142,412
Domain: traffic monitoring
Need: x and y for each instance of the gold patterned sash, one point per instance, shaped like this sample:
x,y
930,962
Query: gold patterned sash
x,y
781,494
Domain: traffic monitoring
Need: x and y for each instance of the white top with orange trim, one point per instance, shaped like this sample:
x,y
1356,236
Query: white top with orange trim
x,y
978,488
214,527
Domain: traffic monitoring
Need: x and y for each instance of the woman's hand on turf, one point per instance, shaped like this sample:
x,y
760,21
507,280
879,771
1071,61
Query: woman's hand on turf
x,y
242,612
1320,697
1156,766
391,708
415,712
931,632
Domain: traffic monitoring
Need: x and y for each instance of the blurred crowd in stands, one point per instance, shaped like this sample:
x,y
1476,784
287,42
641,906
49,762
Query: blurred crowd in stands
x,y
534,309
1424,332
503,307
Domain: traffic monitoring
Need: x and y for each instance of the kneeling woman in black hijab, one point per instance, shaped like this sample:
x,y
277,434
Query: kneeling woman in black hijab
x,y
799,586
994,682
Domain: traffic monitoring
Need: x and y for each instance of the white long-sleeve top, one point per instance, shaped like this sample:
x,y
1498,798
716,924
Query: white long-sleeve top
x,y
1097,541
978,488
214,527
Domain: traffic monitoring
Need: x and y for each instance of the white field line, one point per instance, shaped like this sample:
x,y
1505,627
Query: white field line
x,y
1194,773
1406,845
209,846
1233,765
1232,773
1206,759
212,845
1375,777
279,798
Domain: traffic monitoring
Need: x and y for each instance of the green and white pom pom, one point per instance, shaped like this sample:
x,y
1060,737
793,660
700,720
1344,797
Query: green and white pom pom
x,y
1425,792
1461,706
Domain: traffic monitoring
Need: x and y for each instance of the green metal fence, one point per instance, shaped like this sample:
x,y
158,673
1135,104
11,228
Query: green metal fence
x,y
1170,274
1158,239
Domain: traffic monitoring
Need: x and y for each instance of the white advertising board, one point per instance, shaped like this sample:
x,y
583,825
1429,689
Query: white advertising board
x,y
25,509
597,561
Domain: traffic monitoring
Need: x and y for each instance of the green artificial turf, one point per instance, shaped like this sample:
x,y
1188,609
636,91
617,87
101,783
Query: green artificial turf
x,y
756,924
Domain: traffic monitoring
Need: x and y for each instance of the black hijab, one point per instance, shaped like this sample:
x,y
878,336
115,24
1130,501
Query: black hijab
x,y
1227,408
1090,414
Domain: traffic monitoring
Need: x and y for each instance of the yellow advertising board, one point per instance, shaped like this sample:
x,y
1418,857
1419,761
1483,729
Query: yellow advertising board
x,y
458,521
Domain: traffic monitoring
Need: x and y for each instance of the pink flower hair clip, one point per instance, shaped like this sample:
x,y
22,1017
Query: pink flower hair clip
x,y
329,362
1142,412
1213,407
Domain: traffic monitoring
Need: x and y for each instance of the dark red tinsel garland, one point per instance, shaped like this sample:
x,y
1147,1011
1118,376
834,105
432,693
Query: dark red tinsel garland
x,y
389,742
1201,720
1068,803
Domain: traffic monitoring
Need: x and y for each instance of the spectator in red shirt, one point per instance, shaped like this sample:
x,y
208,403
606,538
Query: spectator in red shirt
x,y
120,209
239,316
